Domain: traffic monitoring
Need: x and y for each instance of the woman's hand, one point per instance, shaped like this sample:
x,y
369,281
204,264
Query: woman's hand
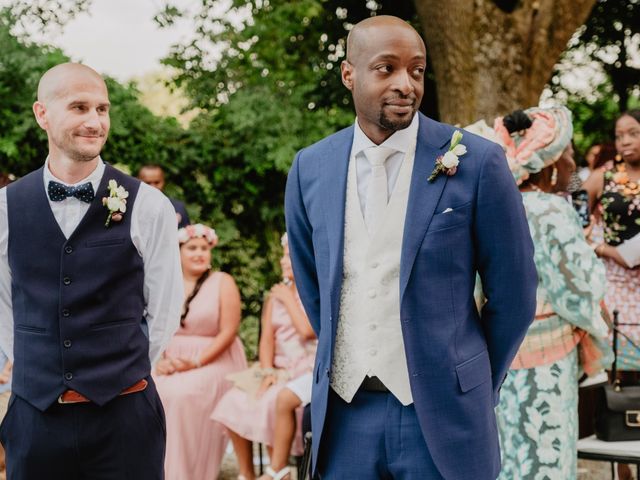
x,y
5,374
588,230
282,293
165,366
604,250
267,382
183,364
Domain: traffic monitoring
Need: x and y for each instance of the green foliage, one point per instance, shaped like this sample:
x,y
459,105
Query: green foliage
x,y
611,38
22,143
607,42
41,14
593,121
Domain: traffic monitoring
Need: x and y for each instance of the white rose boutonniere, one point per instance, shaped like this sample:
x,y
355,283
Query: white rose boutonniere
x,y
448,163
116,202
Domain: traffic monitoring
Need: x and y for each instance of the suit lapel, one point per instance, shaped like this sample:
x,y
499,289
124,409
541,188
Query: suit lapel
x,y
335,165
433,141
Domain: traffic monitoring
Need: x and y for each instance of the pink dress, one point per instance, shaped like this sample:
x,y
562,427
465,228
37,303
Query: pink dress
x,y
195,444
254,419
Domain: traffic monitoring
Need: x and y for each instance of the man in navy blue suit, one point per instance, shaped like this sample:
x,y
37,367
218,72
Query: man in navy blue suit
x,y
87,256
389,222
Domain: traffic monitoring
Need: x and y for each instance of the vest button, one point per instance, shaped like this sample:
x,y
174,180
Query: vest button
x,y
68,249
66,281
371,293
372,327
373,352
67,344
375,265
68,376
66,313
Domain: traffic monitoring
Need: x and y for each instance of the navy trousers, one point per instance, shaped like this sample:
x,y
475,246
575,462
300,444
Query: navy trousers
x,y
124,439
373,437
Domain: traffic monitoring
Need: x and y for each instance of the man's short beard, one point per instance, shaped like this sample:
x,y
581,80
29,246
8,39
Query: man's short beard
x,y
82,157
394,126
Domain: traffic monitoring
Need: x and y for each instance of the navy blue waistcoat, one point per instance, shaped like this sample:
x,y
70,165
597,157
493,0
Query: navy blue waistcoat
x,y
78,304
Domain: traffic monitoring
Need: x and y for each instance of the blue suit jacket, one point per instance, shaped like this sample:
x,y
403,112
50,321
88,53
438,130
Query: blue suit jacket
x,y
457,357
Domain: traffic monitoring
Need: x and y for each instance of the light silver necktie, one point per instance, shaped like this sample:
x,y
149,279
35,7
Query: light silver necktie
x,y
377,193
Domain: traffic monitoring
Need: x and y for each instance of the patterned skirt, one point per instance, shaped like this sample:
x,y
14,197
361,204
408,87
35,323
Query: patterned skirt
x,y
623,294
538,421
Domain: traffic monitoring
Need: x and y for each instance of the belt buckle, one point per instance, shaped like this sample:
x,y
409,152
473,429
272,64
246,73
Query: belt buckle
x,y
62,401
632,418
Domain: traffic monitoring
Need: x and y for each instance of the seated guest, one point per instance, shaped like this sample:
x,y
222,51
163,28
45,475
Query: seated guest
x,y
190,376
154,175
287,350
296,394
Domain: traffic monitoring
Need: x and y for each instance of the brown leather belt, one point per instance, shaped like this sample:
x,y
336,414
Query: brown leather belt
x,y
373,384
71,396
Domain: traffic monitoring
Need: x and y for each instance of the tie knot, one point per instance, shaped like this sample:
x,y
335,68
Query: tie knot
x,y
378,155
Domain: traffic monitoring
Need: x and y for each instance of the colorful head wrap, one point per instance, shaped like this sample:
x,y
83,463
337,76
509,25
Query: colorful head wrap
x,y
198,231
537,145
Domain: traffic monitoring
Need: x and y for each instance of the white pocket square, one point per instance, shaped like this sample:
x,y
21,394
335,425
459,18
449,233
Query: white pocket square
x,y
447,210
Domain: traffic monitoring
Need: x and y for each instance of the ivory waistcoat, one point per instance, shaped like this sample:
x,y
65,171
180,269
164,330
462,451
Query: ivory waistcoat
x,y
369,335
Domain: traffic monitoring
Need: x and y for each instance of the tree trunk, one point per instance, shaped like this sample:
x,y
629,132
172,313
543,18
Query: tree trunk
x,y
488,62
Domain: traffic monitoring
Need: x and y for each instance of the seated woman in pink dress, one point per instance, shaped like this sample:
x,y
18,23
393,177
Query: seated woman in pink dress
x,y
287,351
190,377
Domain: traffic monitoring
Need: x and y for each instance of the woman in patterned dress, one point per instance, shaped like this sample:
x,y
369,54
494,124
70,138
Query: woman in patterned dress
x,y
538,410
616,191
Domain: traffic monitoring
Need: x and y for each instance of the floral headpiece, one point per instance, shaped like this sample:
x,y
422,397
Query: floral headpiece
x,y
538,144
197,231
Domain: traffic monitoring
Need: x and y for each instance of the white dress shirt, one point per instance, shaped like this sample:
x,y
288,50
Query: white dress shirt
x,y
153,233
399,141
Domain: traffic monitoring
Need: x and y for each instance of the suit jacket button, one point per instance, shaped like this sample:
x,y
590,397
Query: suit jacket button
x,y
66,281
66,313
68,249
68,376
67,344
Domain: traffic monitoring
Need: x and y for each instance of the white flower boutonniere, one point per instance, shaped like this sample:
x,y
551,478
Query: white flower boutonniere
x,y
116,202
448,163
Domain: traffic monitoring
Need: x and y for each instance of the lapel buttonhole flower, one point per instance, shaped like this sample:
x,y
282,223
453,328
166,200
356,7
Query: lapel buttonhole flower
x,y
116,202
448,163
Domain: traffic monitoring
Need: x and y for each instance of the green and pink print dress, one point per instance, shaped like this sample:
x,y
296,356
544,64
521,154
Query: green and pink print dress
x,y
538,410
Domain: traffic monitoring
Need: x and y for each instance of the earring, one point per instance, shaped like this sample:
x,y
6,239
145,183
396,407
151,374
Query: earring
x,y
618,158
554,176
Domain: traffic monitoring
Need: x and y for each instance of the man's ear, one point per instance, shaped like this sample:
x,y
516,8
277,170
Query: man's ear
x,y
346,70
40,112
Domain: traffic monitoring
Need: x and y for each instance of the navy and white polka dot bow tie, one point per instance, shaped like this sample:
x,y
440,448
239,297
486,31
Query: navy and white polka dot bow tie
x,y
58,192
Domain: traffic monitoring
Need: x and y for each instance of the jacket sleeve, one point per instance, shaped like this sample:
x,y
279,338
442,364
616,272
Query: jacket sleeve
x,y
300,235
505,263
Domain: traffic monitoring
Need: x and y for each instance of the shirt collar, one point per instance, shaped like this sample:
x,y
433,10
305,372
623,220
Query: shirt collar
x,y
94,177
399,140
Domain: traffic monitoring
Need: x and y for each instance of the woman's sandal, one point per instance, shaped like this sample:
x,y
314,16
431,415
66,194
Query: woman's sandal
x,y
280,474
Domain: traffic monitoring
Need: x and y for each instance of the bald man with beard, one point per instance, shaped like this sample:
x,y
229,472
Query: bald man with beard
x,y
79,275
389,222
